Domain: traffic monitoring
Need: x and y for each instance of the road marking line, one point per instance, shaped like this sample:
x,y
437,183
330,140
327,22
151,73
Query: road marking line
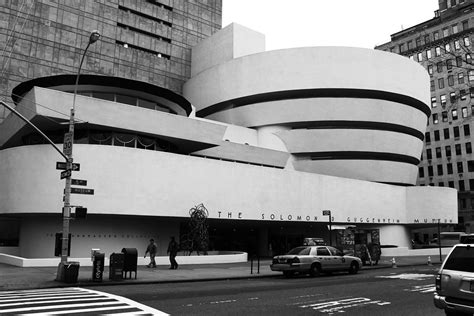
x,y
55,301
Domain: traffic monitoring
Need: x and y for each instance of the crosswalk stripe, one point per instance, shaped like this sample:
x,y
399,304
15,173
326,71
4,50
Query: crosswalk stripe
x,y
71,301
16,310
55,301
43,297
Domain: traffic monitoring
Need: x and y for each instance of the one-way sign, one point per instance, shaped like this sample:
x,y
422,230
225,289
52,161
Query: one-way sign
x,y
65,174
63,166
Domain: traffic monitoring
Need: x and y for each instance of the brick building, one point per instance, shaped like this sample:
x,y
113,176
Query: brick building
x,y
443,46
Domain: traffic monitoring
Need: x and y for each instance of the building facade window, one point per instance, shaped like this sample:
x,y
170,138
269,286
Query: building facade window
x,y
439,67
461,185
435,118
449,64
430,69
447,151
464,112
467,130
444,116
460,167
454,114
452,97
428,154
428,137
449,168
456,132
438,152
458,61
468,59
468,148
465,25
455,28
470,165
443,99
451,184
419,56
457,45
467,42
446,133
436,135
457,149
437,51
460,78
470,75
447,47
441,83
433,102
451,81
445,32
440,170
421,172
430,171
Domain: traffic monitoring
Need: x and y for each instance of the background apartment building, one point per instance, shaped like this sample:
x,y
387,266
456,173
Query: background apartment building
x,y
145,40
443,46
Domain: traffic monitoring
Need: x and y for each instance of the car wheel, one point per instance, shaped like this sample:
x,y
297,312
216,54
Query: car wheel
x,y
315,269
288,274
354,268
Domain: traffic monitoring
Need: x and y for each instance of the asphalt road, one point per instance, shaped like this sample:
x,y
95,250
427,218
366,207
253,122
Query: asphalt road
x,y
401,291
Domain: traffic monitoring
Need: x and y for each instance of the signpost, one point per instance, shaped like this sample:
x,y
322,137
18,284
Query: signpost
x,y
328,213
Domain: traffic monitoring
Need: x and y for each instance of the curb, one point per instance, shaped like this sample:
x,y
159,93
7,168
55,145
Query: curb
x,y
87,283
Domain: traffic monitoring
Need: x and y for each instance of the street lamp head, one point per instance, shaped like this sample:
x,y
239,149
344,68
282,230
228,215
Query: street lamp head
x,y
94,37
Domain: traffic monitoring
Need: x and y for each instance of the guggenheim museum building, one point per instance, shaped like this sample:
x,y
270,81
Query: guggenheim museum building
x,y
267,141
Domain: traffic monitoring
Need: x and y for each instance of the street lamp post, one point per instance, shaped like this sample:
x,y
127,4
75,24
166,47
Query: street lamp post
x,y
67,149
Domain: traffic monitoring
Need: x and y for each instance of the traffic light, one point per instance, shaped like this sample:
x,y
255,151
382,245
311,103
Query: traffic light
x,y
81,212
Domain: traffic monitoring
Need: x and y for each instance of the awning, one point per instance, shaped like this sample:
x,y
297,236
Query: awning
x,y
340,227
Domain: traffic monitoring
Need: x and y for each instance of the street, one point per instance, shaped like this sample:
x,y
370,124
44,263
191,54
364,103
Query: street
x,y
401,291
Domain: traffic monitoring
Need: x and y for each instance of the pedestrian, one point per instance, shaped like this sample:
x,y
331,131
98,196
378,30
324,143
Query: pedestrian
x,y
376,253
173,248
151,249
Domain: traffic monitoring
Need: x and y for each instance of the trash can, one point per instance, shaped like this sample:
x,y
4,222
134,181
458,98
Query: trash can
x,y
130,261
71,272
98,266
116,266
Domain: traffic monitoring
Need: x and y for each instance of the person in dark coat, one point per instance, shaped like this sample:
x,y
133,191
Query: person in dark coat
x,y
151,249
173,249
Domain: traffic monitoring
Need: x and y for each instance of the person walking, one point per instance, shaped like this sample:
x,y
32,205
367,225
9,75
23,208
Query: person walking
x,y
151,249
173,251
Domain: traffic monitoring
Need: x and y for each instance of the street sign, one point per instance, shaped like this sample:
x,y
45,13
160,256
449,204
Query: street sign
x,y
78,182
327,213
82,191
67,144
62,166
65,174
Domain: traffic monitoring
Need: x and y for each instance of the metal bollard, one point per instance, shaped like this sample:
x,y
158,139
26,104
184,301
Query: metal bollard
x,y
258,265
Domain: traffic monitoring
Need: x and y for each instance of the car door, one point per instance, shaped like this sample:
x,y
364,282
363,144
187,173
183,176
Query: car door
x,y
324,257
337,259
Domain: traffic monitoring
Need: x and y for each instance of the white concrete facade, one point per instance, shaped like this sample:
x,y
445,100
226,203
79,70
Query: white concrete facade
x,y
248,164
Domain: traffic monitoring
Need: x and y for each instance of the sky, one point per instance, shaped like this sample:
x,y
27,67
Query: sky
x,y
300,23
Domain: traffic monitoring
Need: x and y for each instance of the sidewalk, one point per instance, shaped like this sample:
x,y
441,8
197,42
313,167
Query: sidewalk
x,y
17,278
